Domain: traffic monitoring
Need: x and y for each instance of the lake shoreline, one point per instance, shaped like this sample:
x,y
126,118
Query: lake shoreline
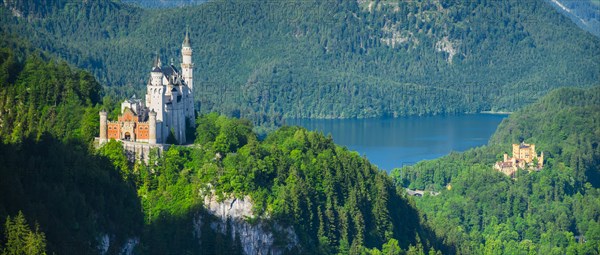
x,y
496,112
395,142
402,116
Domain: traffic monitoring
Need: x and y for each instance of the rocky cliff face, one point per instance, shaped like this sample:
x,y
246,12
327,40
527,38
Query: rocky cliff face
x,y
260,237
104,243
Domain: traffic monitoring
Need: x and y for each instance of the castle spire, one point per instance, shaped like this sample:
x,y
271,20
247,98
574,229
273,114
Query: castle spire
x,y
157,62
186,41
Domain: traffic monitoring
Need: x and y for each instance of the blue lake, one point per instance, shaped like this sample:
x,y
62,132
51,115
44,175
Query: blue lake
x,y
390,143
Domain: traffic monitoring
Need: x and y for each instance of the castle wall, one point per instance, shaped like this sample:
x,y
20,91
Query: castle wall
x,y
114,130
155,100
524,152
188,102
175,119
142,131
128,131
160,138
138,131
141,151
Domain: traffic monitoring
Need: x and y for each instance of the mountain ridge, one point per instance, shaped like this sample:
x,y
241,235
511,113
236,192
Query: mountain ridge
x,y
333,59
586,14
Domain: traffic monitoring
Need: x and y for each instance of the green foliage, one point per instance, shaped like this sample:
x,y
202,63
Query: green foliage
x,y
114,151
168,189
21,240
74,195
42,96
330,196
391,248
223,134
48,117
325,59
486,212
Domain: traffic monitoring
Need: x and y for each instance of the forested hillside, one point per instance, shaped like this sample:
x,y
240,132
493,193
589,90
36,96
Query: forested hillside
x,y
335,200
553,211
48,115
60,194
325,59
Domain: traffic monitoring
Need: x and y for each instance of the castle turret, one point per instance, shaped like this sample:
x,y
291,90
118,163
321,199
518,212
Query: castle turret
x,y
152,128
187,67
156,74
103,127
155,95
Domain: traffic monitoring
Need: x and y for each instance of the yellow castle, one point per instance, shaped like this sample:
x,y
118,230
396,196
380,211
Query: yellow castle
x,y
523,157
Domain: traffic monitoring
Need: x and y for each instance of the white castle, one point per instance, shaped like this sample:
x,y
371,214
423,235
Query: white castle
x,y
168,108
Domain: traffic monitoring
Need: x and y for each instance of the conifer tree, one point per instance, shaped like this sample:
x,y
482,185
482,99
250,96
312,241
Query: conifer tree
x,y
21,240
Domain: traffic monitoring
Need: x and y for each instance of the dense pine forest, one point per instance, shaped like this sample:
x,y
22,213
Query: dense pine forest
x,y
553,211
324,59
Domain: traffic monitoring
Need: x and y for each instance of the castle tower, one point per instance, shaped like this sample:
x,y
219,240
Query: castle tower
x,y
187,73
155,91
187,67
103,127
152,128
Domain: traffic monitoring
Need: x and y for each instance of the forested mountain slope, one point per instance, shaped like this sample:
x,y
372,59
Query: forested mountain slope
x,y
325,59
553,211
334,200
88,201
48,116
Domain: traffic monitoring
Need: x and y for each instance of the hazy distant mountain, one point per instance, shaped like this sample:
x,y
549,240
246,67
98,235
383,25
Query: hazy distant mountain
x,y
164,3
585,13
